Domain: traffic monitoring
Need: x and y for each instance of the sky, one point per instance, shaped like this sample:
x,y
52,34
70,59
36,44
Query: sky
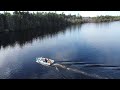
x,y
83,13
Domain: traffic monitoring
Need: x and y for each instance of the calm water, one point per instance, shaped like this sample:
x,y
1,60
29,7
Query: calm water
x,y
83,51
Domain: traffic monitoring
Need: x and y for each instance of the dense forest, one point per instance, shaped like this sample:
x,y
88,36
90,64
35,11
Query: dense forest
x,y
21,21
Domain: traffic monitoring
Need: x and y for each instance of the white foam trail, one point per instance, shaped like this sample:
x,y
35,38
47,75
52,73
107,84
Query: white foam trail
x,y
91,75
57,68
78,71
56,64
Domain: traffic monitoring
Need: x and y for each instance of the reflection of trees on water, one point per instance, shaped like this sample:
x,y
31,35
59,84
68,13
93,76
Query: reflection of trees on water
x,y
74,27
22,38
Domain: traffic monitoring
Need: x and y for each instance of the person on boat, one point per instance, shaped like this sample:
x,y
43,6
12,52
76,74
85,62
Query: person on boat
x,y
46,59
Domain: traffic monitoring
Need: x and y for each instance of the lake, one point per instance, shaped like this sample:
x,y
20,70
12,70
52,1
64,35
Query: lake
x,y
90,50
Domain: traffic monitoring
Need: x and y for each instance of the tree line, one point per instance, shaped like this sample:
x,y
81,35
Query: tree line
x,y
25,21
22,21
106,18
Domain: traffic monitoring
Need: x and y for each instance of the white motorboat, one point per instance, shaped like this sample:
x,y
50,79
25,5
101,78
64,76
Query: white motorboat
x,y
44,61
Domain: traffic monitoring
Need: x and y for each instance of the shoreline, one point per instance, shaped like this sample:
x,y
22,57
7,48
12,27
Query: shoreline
x,y
23,21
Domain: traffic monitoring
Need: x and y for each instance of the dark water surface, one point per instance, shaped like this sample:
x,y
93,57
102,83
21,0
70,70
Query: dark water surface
x,y
86,51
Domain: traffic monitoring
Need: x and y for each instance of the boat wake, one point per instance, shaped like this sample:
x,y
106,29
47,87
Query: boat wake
x,y
86,64
71,66
57,65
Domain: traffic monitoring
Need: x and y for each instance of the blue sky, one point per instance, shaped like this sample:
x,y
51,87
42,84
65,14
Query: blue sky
x,y
84,13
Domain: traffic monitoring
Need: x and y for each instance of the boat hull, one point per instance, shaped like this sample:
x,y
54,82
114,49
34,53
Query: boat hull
x,y
42,61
